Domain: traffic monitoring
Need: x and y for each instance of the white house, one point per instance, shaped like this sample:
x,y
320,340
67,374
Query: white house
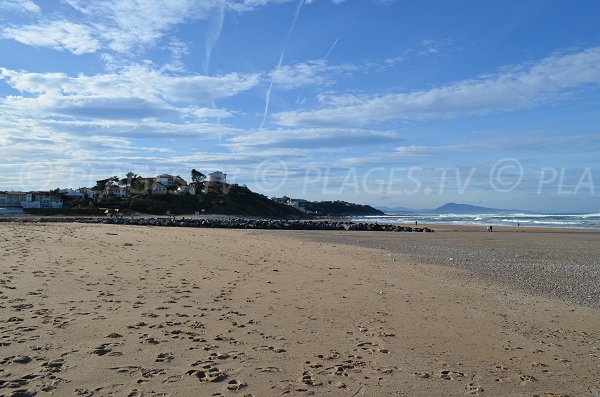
x,y
12,199
41,200
159,188
186,189
297,204
294,203
116,191
217,176
71,193
166,179
86,190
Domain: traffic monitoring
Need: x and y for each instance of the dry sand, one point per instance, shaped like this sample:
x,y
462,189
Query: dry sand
x,y
129,311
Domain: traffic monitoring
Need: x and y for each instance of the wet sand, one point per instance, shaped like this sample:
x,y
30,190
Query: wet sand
x,y
98,310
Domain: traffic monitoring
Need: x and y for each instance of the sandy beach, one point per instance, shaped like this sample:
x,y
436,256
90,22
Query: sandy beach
x,y
106,310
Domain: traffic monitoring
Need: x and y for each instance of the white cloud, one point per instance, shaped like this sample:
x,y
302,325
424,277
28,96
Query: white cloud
x,y
313,139
120,25
59,35
126,24
24,6
513,89
43,154
59,119
133,128
293,76
314,72
249,5
136,92
129,24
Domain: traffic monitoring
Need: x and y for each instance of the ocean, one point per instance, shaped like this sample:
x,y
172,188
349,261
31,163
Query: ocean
x,y
583,221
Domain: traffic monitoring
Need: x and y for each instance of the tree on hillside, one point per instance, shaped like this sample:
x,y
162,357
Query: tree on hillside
x,y
179,181
197,177
129,178
101,184
138,183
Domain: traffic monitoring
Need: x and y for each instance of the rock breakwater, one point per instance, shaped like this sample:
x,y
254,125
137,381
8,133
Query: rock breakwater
x,y
236,223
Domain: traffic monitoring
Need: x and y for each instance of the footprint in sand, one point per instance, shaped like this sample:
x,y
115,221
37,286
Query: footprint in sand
x,y
208,373
16,360
268,369
164,357
525,379
101,350
270,348
307,379
422,375
84,392
451,375
22,393
474,389
332,355
235,384
151,341
54,365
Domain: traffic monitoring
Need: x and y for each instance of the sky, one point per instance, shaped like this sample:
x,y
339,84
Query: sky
x,y
389,103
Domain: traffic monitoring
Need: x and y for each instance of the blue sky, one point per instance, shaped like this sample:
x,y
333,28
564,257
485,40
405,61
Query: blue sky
x,y
383,102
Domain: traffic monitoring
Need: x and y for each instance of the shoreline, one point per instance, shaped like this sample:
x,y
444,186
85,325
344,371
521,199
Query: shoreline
x,y
513,229
441,227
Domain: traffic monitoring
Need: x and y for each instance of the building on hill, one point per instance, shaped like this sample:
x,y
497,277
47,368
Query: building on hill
x,y
180,181
71,193
29,200
217,177
116,191
86,190
12,199
165,179
186,189
170,180
159,188
297,204
41,200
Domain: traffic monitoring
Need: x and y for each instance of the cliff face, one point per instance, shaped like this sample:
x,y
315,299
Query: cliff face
x,y
219,199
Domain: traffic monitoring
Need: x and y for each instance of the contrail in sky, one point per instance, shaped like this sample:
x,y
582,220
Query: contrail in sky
x,y
215,25
214,28
268,93
331,48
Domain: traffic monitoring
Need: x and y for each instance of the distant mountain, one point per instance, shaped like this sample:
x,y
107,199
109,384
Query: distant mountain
x,y
454,208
